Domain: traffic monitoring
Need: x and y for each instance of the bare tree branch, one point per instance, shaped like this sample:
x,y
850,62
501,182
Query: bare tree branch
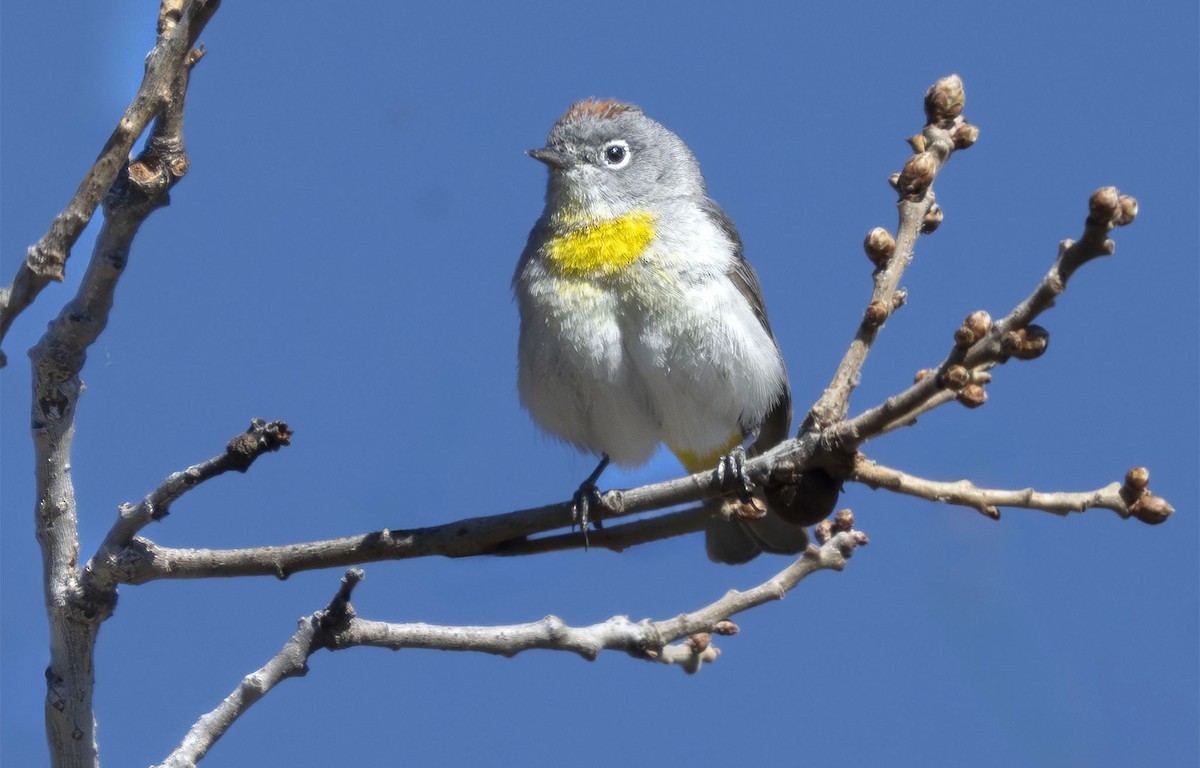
x,y
313,633
1129,499
338,627
645,639
945,131
58,358
179,27
982,344
616,538
143,560
78,601
99,579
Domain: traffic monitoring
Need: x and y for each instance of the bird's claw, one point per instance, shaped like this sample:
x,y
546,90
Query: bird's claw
x,y
731,473
584,498
582,502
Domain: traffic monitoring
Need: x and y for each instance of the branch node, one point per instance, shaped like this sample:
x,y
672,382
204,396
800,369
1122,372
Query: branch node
x,y
261,437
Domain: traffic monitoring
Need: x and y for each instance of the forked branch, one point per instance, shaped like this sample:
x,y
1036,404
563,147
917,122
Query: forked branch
x,y
684,640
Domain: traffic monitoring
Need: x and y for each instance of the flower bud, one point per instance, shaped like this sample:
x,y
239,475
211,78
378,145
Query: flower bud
x,y
823,531
933,217
1128,210
964,135
980,323
1151,509
975,326
894,181
922,374
726,627
917,175
879,246
1103,205
1025,343
876,314
1137,479
972,396
843,520
699,641
956,377
944,100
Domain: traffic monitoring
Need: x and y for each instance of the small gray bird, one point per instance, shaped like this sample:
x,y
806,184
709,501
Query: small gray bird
x,y
641,322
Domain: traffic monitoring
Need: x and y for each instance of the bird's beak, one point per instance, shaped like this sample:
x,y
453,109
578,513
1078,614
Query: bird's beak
x,y
552,157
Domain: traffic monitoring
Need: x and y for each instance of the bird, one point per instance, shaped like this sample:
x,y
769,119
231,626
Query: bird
x,y
642,323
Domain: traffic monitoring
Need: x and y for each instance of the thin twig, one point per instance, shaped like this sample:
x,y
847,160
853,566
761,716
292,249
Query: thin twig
x,y
338,627
1012,336
942,134
1129,499
46,260
314,632
99,580
645,639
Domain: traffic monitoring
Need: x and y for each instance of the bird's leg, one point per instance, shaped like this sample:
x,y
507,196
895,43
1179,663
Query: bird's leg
x,y
731,473
587,495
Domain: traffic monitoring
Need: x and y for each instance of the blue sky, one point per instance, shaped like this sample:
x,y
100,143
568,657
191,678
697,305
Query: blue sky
x,y
339,257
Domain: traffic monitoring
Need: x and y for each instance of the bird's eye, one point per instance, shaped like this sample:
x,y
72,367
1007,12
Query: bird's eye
x,y
616,154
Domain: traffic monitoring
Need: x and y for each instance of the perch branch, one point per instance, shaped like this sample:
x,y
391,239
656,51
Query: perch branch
x,y
144,560
615,538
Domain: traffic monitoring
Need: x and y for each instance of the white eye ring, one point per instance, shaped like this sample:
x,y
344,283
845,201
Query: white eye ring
x,y
616,153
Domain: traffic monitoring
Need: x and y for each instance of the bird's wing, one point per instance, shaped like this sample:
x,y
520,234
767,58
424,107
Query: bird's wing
x,y
778,421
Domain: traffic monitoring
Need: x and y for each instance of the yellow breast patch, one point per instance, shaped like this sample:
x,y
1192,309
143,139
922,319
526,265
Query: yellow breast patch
x,y
603,247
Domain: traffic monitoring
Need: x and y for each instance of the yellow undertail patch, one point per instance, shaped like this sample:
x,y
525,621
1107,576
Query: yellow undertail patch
x,y
698,462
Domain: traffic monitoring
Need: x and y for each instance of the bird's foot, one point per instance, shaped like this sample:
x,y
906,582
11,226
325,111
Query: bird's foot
x,y
587,496
731,473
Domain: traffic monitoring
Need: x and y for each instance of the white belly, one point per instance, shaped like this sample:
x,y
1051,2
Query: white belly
x,y
619,368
